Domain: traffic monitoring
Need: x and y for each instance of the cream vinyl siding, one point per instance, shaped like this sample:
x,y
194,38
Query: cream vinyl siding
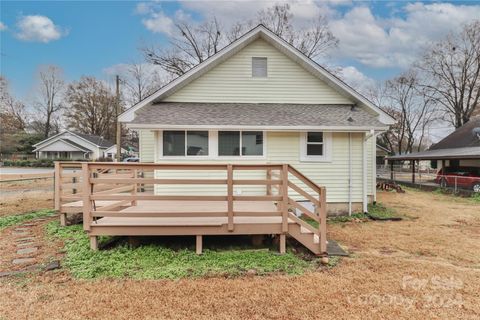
x,y
232,81
284,147
147,145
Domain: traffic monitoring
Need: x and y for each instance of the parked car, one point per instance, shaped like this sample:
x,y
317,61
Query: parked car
x,y
462,177
131,159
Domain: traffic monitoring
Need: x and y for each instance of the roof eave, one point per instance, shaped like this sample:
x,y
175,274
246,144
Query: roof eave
x,y
257,127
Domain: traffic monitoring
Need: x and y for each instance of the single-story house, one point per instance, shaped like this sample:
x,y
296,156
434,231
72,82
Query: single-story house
x,y
72,145
111,152
260,100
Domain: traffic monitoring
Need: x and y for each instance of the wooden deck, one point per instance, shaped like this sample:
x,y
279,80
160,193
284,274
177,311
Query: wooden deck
x,y
118,199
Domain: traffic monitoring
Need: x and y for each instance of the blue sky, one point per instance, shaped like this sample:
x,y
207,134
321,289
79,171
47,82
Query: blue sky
x,y
377,39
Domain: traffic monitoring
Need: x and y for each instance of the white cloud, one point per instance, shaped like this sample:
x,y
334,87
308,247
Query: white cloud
x,y
158,22
356,79
38,28
2,26
396,42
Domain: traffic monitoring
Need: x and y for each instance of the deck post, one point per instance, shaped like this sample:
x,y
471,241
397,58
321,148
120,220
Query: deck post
x,y
134,190
285,198
269,186
63,219
94,243
283,243
322,227
199,244
230,196
57,180
87,205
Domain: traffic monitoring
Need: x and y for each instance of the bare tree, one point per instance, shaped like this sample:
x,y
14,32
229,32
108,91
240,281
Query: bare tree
x,y
405,100
452,68
193,44
13,114
91,107
50,100
312,40
140,80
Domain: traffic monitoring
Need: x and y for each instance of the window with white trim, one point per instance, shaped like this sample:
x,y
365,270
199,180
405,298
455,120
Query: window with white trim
x,y
185,143
240,143
316,146
259,67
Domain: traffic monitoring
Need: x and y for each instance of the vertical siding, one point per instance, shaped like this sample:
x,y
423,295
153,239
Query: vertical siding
x,y
232,81
147,145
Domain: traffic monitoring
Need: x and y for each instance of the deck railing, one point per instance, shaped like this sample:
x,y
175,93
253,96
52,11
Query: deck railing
x,y
108,188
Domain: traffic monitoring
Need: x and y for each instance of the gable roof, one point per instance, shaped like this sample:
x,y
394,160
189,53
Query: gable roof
x,y
91,139
254,115
66,141
258,32
467,135
97,140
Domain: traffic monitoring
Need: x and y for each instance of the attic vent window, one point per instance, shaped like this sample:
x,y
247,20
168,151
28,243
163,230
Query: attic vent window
x,y
259,67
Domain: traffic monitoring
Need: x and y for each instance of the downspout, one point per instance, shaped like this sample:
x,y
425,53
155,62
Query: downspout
x,y
364,167
349,173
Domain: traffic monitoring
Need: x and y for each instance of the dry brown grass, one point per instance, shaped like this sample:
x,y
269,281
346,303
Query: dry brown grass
x,y
20,202
441,243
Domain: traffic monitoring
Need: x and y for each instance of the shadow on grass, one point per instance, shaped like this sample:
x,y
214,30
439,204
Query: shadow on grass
x,y
173,257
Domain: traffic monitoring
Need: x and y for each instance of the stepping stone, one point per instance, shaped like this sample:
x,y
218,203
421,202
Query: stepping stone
x,y
21,233
52,265
25,244
27,250
22,229
23,260
25,239
29,225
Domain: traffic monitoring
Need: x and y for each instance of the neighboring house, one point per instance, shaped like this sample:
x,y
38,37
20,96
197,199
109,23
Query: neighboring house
x,y
111,152
72,145
382,153
460,148
260,100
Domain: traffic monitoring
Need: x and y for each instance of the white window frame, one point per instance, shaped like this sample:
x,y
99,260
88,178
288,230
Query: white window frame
x,y
258,77
240,156
212,147
185,156
327,148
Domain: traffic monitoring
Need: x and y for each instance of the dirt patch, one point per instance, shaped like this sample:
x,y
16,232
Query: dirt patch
x,y
422,268
16,176
22,202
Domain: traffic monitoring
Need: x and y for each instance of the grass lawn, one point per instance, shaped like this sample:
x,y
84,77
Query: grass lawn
x,y
155,261
7,221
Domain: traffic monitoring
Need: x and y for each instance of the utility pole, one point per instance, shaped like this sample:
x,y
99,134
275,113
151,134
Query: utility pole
x,y
118,130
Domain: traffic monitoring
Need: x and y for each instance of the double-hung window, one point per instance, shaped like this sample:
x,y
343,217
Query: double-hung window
x,y
316,146
240,143
185,143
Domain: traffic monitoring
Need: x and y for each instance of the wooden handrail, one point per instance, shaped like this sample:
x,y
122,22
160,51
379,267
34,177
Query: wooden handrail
x,y
121,185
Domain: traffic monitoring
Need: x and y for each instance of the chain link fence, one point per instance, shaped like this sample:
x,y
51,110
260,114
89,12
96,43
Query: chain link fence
x,y
427,178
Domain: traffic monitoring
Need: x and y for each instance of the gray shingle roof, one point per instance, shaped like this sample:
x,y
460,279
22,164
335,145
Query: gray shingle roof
x,y
465,136
253,114
76,145
452,153
99,141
